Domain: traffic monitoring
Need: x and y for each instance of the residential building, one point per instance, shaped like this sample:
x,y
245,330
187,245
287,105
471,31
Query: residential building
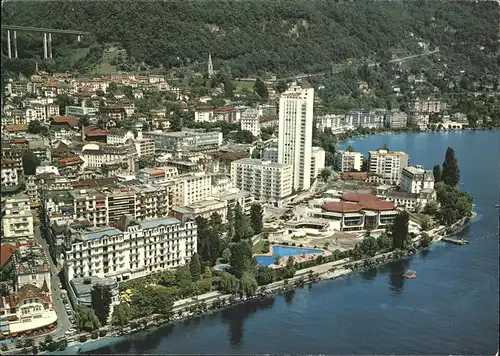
x,y
95,155
177,142
268,182
31,266
189,188
113,112
387,164
17,223
227,113
317,161
415,179
29,309
235,196
80,111
295,133
335,123
250,121
144,147
152,175
204,114
270,154
117,136
362,118
347,161
396,119
130,249
10,179
426,106
205,208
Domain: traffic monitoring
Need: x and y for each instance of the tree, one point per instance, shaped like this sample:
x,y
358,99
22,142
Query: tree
x,y
436,170
209,241
369,246
228,283
83,121
175,122
64,100
384,147
400,230
264,276
86,319
350,149
242,228
101,302
30,162
454,204
128,91
121,315
432,208
248,284
450,174
289,270
261,89
226,255
384,242
34,127
241,256
195,267
244,136
325,174
256,218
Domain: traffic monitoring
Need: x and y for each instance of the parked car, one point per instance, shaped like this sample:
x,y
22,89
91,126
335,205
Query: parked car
x,y
60,286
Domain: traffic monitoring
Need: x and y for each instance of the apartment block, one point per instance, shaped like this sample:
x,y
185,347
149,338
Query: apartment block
x,y
416,179
387,164
270,154
250,121
295,133
17,223
396,119
174,142
31,266
317,161
268,182
346,161
130,249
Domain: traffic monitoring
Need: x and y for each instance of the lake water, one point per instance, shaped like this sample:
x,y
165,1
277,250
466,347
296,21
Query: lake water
x,y
450,308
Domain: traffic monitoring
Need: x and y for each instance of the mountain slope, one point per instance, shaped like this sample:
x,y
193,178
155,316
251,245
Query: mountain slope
x,y
279,36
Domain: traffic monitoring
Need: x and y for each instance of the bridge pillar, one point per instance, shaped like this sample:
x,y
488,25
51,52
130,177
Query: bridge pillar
x,y
9,51
45,45
50,45
15,44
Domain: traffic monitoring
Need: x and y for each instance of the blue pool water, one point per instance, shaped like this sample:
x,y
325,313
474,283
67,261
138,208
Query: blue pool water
x,y
284,251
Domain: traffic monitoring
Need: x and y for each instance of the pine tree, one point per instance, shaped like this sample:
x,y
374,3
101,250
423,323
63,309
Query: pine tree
x,y
261,89
436,170
450,174
256,218
400,230
195,267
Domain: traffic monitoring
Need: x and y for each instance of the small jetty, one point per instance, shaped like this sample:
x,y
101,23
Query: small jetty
x,y
410,274
455,241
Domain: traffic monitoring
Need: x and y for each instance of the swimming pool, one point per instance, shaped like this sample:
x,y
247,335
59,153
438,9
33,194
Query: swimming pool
x,y
284,251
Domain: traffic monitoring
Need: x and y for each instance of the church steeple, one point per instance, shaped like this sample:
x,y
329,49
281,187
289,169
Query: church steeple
x,y
210,66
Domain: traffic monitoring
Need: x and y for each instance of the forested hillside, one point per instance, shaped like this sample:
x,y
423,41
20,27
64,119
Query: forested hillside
x,y
279,36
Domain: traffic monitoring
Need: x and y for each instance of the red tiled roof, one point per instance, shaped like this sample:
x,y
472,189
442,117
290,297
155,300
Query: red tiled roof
x,y
7,250
16,128
357,198
355,202
19,140
51,84
342,207
157,172
224,109
97,132
69,161
70,120
354,176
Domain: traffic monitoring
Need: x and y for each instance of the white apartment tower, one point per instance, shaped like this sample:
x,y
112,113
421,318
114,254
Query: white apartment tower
x,y
295,133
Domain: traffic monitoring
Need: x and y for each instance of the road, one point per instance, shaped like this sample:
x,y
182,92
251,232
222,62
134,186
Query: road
x,y
338,70
63,323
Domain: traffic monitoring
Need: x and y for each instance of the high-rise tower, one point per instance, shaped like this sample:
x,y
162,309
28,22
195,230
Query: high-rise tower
x,y
210,66
295,133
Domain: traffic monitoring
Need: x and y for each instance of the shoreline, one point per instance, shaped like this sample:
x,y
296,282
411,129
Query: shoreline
x,y
271,290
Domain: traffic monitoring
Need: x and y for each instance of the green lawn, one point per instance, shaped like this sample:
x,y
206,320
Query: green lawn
x,y
259,247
